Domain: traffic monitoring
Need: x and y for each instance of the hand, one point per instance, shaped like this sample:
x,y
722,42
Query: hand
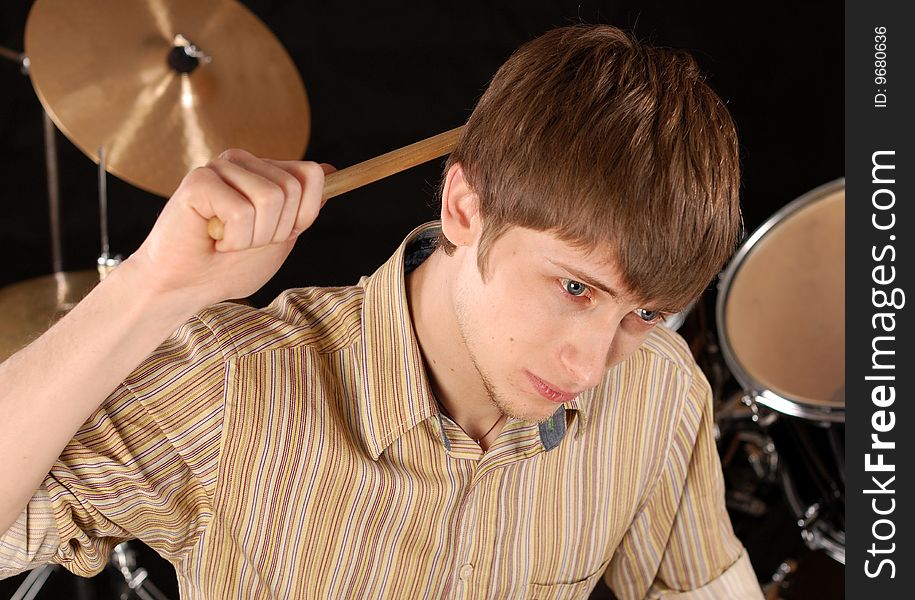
x,y
264,205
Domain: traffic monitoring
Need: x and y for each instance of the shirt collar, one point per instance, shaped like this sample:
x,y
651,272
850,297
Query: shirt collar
x,y
394,389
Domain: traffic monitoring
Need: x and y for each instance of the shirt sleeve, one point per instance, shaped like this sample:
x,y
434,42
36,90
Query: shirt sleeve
x,y
143,465
681,544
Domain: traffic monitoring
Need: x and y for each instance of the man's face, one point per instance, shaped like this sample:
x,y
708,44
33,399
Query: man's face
x,y
540,329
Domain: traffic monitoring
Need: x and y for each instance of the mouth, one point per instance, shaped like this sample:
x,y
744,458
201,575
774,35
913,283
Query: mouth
x,y
550,392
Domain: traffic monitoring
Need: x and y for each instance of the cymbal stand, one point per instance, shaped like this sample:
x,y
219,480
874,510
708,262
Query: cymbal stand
x,y
33,582
124,561
106,262
16,57
50,158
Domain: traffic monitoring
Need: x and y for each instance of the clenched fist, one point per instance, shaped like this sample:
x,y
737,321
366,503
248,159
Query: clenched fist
x,y
264,205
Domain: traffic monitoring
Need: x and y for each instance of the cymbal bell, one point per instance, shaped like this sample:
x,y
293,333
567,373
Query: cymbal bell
x,y
165,85
29,308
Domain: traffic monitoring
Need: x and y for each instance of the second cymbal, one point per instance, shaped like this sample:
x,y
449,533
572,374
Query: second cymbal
x,y
29,308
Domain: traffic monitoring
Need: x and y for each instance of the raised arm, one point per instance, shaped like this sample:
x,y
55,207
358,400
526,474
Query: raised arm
x,y
49,389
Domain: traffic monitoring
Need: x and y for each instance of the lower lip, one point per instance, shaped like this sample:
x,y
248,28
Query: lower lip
x,y
549,393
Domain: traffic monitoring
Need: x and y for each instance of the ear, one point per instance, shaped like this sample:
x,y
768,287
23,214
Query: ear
x,y
460,209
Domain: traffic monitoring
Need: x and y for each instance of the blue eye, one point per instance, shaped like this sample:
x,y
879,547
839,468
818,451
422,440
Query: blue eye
x,y
574,288
649,316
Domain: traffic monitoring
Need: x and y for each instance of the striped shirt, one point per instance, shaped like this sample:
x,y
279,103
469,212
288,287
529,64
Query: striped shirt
x,y
297,452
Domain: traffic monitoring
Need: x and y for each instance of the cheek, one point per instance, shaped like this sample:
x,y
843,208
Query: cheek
x,y
625,344
513,323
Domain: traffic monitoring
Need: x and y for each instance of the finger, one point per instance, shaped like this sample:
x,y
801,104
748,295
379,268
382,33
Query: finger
x,y
213,197
311,176
266,197
289,183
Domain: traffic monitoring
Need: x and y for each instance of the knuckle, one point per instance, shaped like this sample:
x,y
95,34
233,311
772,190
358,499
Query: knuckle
x,y
242,213
233,154
199,180
313,172
271,197
198,176
292,186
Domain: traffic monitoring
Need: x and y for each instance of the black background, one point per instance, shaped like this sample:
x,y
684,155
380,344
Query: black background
x,y
382,75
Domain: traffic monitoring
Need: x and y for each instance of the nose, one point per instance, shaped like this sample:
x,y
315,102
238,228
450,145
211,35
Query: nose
x,y
586,355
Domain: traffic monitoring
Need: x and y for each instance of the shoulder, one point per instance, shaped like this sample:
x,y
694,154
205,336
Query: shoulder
x,y
667,346
660,384
694,396
322,319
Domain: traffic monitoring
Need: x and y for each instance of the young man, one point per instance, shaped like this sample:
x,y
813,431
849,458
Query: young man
x,y
493,414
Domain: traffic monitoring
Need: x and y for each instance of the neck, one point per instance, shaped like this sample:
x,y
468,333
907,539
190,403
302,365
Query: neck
x,y
455,381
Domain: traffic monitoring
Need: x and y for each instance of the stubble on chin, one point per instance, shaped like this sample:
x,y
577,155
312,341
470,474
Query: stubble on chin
x,y
521,413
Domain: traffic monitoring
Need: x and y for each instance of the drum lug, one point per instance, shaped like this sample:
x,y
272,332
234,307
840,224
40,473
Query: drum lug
x,y
124,561
763,459
810,516
761,415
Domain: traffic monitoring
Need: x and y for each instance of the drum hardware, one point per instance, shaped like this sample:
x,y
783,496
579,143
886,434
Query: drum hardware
x,y
761,455
780,579
17,57
29,308
822,521
758,415
185,56
124,561
33,582
746,502
818,535
745,441
811,514
50,156
50,159
106,263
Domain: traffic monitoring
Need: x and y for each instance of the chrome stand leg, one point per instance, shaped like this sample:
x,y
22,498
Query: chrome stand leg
x,y
33,583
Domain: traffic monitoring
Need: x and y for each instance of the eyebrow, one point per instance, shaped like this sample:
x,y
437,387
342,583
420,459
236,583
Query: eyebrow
x,y
584,278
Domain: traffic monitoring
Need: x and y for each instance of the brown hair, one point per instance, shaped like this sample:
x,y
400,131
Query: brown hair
x,y
614,147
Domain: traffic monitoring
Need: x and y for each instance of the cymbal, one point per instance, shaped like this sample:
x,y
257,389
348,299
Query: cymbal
x,y
29,308
165,85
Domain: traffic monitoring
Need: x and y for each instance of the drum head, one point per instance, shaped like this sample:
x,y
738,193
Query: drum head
x,y
781,310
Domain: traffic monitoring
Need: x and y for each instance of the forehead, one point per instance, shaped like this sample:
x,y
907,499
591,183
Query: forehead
x,y
550,250
595,265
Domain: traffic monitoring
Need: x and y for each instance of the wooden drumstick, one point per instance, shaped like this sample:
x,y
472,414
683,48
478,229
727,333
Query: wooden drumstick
x,y
374,169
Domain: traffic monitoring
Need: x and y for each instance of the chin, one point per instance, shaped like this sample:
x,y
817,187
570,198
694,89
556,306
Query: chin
x,y
535,410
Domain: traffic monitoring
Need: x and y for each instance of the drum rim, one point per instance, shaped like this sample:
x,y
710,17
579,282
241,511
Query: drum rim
x,y
782,403
820,535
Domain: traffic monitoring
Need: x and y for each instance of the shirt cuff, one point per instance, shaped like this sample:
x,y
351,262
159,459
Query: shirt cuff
x,y
31,540
738,582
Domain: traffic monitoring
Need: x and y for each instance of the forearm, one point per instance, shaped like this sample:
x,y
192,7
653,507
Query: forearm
x,y
50,388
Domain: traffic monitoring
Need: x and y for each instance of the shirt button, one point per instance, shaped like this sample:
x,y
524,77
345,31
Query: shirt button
x,y
466,571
